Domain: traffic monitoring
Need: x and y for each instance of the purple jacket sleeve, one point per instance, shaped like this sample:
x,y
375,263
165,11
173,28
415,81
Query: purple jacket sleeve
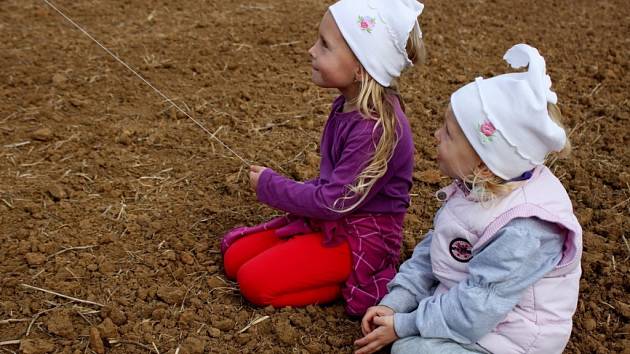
x,y
317,200
312,182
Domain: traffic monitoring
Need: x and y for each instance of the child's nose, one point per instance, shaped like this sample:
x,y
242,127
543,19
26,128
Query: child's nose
x,y
311,51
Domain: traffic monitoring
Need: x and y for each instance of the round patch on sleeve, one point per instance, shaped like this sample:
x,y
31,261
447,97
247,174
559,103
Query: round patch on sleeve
x,y
461,250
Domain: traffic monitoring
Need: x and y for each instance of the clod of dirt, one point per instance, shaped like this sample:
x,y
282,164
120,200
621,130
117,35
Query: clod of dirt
x,y
170,295
125,137
59,79
624,309
107,267
56,192
42,134
92,267
187,258
215,282
187,317
36,346
225,324
34,259
155,227
428,176
169,255
193,345
108,329
285,332
60,323
159,313
590,324
96,343
315,348
118,316
301,320
243,338
214,332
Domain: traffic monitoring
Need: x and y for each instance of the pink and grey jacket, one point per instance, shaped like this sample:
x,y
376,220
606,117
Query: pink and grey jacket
x,y
542,320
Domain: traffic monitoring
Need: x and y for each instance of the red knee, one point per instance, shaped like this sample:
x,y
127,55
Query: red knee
x,y
255,286
245,249
231,263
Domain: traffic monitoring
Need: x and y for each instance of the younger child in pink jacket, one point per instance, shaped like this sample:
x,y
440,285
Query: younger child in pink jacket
x,y
500,270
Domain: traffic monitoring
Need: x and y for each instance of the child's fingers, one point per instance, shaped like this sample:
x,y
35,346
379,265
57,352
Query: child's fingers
x,y
368,349
366,326
371,337
367,321
368,344
379,320
253,180
384,311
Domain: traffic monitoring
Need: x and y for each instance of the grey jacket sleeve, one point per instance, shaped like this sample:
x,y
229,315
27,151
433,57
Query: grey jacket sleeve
x,y
414,280
519,255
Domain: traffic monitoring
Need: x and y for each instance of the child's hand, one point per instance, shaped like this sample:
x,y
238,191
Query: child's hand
x,y
254,175
367,325
379,337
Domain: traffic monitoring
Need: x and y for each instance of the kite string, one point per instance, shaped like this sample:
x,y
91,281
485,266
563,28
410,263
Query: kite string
x,y
147,82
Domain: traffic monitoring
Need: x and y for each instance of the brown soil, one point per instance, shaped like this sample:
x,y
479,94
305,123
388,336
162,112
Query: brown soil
x,y
93,158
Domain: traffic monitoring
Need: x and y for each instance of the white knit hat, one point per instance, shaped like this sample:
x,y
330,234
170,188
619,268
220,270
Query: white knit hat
x,y
505,118
377,32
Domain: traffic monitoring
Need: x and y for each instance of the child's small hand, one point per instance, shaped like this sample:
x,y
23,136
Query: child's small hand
x,y
379,337
367,325
254,175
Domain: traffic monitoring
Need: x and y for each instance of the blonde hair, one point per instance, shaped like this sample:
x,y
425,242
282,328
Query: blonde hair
x,y
377,102
486,186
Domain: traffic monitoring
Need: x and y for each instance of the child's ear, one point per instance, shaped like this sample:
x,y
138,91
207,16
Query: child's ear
x,y
358,74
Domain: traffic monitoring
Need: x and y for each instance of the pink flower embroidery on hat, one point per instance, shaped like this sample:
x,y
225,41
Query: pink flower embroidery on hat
x,y
366,23
487,131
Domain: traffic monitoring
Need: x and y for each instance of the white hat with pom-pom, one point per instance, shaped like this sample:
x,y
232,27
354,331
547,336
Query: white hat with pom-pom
x,y
505,118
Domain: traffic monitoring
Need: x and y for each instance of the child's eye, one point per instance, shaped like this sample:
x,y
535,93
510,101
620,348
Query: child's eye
x,y
324,44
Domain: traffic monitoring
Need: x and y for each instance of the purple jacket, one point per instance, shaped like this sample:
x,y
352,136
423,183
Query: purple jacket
x,y
373,230
347,144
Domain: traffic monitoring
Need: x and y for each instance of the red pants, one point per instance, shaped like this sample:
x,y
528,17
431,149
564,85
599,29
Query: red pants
x,y
294,272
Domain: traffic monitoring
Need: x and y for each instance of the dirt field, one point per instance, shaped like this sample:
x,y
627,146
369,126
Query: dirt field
x,y
108,195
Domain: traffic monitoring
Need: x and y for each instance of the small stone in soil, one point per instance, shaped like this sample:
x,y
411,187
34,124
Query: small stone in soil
x,y
58,79
108,329
193,345
56,192
42,134
60,323
36,346
170,295
285,332
96,343
35,259
187,258
214,332
224,324
215,282
118,316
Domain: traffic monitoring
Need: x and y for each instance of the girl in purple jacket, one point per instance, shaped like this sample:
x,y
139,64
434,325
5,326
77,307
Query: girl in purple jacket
x,y
343,230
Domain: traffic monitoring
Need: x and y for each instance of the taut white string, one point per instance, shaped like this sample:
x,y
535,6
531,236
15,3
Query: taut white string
x,y
147,82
